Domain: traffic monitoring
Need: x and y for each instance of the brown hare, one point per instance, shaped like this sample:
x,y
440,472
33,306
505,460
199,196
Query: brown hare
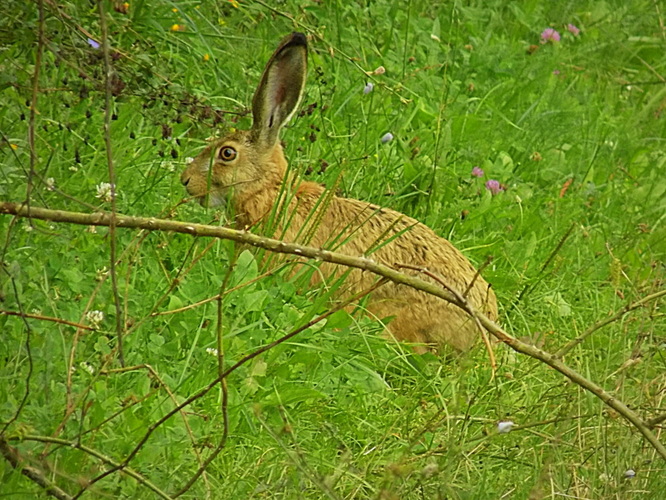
x,y
248,170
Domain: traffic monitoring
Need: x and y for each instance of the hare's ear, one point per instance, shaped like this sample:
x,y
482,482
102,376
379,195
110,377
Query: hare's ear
x,y
280,89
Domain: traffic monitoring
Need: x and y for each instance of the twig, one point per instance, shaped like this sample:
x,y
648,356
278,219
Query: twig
x,y
103,219
92,452
626,309
226,373
46,318
108,72
36,475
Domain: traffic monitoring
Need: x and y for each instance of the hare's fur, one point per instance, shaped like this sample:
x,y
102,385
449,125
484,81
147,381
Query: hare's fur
x,y
248,170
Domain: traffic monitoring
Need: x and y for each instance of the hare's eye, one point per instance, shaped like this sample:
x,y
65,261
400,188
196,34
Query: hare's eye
x,y
227,153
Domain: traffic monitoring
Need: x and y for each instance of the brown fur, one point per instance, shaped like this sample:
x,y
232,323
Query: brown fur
x,y
257,178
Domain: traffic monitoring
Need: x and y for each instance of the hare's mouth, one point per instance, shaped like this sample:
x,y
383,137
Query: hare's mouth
x,y
213,199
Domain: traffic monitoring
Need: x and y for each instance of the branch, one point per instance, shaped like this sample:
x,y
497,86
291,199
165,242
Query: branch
x,y
363,263
12,455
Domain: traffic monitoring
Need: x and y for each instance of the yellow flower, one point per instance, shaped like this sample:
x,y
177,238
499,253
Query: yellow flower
x,y
13,146
177,27
206,57
234,3
126,6
174,10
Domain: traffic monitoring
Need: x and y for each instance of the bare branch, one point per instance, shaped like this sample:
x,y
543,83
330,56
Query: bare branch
x,y
103,219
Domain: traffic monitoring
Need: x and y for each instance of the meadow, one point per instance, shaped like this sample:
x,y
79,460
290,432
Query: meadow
x,y
530,134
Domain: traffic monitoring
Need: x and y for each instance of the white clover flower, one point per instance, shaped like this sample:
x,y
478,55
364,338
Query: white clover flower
x,y
505,426
95,318
168,166
91,229
73,168
388,136
368,87
212,351
188,160
27,227
50,184
100,274
630,473
87,367
104,191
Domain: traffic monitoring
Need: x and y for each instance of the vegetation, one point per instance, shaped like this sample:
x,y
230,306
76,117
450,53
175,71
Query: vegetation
x,y
418,106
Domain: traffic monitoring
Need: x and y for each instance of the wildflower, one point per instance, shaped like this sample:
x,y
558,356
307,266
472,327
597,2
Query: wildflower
x,y
505,426
93,43
550,35
206,57
234,3
477,172
100,274
188,160
87,367
105,191
73,168
95,318
388,136
13,146
50,184
494,186
556,72
573,29
177,27
368,87
212,351
379,71
630,473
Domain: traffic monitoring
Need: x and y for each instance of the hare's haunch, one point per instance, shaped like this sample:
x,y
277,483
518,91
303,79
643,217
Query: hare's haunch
x,y
248,171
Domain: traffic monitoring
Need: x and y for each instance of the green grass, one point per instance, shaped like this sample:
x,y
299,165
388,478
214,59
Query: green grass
x,y
575,131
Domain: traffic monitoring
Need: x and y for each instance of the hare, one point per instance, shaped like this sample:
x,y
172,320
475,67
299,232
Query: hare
x,y
248,170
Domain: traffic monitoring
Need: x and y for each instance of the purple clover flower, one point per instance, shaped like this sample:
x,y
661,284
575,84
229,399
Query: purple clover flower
x,y
477,172
550,35
368,87
93,43
494,186
573,29
388,136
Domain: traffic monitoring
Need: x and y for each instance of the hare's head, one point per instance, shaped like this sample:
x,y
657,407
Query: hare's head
x,y
247,163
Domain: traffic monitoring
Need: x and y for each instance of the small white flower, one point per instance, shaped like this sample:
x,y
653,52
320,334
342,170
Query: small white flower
x,y
168,166
100,274
74,168
505,426
388,136
27,228
91,229
212,351
50,183
87,367
104,191
188,160
630,473
368,87
95,318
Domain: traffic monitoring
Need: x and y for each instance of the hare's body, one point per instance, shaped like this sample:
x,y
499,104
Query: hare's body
x,y
248,169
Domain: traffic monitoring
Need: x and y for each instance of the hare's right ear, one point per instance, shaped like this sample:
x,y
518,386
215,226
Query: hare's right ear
x,y
280,89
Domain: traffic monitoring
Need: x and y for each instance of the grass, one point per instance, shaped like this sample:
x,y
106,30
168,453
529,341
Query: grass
x,y
573,130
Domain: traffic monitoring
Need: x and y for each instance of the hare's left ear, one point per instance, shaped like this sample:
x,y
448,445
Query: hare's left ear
x,y
280,89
